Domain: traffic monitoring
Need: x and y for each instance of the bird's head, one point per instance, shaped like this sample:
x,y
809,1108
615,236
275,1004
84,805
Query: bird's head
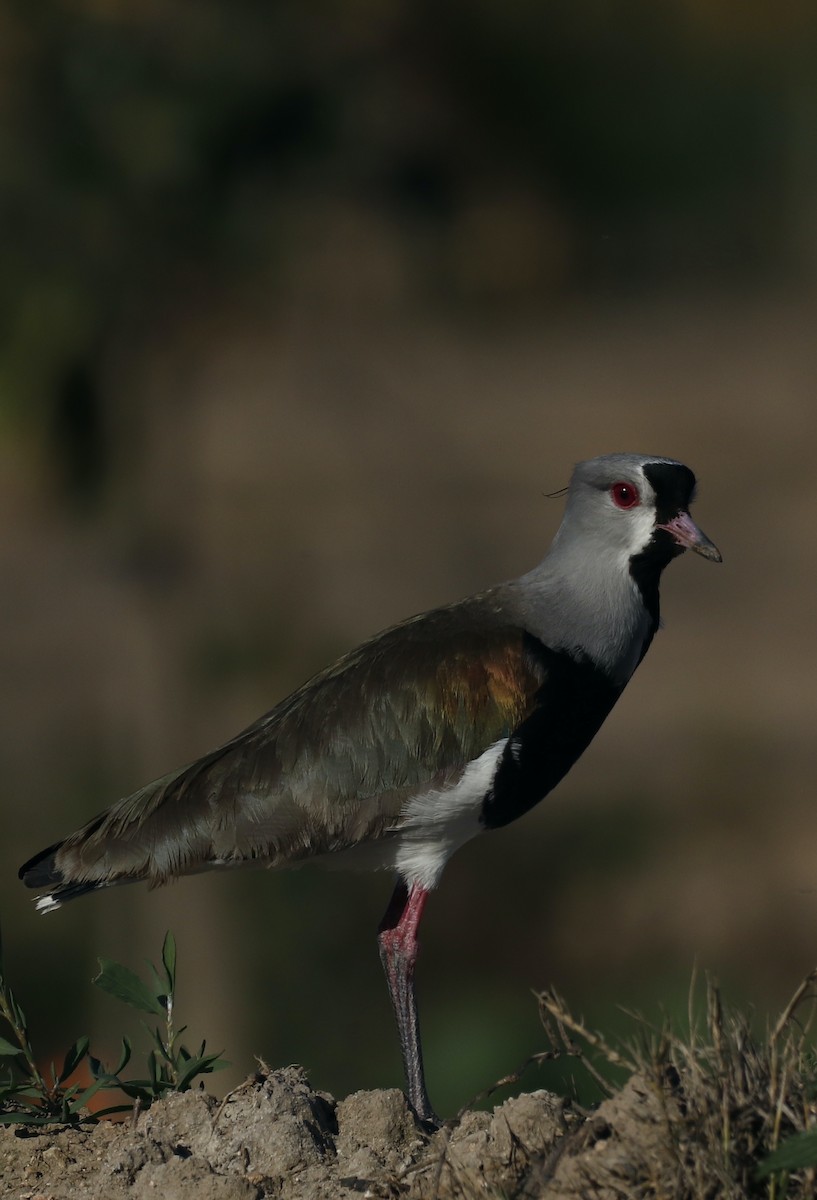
x,y
635,506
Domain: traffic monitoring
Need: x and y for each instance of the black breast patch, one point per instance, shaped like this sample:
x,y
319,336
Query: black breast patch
x,y
570,707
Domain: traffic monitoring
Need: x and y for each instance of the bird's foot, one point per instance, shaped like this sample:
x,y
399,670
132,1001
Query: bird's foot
x,y
425,1116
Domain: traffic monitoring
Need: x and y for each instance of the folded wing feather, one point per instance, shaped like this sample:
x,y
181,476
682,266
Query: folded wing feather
x,y
328,768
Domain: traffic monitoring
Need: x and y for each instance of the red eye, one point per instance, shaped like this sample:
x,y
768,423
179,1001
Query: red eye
x,y
625,495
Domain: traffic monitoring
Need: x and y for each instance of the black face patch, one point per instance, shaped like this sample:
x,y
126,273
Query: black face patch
x,y
674,487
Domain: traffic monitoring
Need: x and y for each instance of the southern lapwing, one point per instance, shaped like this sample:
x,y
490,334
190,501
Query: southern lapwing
x,y
456,721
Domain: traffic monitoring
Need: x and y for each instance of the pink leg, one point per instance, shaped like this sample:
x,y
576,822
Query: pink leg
x,y
397,938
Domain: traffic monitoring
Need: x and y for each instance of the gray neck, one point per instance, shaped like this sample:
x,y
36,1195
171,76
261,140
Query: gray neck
x,y
586,605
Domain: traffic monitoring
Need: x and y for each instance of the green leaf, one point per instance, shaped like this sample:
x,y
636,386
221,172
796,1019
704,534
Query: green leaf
x,y
124,1057
11,1118
7,1048
100,1071
156,1037
73,1057
17,1012
79,1102
169,961
141,1091
200,1066
125,985
793,1155
36,1093
158,984
113,1108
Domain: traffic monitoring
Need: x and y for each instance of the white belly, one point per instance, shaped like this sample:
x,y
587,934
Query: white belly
x,y
434,824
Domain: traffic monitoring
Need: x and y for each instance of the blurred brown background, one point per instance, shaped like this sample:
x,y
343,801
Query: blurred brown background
x,y
304,309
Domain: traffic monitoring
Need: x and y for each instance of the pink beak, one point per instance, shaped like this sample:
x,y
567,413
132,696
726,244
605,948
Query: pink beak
x,y
687,534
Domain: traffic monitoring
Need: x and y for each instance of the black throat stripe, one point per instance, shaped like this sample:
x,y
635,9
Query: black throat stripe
x,y
571,705
674,487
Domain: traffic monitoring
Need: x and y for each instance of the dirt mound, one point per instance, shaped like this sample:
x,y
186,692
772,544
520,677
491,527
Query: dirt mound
x,y
276,1136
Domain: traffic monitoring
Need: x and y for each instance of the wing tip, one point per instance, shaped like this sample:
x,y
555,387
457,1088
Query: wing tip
x,y
41,871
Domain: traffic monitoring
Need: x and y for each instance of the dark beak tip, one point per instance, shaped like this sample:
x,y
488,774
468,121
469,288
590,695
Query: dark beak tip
x,y
707,550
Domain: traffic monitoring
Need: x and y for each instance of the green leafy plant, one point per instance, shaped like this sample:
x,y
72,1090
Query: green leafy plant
x,y
29,1096
171,1066
26,1095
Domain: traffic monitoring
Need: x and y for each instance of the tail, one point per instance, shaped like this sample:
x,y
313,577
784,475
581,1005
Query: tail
x,y
156,834
42,871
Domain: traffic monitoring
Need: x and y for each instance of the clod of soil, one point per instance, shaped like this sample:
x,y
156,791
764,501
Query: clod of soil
x,y
277,1137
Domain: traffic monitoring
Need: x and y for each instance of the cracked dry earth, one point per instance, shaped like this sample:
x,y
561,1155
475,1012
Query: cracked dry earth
x,y
277,1137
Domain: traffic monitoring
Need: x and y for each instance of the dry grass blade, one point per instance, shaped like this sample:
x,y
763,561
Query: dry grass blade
x,y
718,1101
551,1002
